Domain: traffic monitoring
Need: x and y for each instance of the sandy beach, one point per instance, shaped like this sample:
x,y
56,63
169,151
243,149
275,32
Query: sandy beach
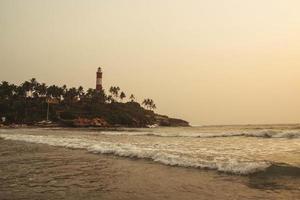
x,y
38,171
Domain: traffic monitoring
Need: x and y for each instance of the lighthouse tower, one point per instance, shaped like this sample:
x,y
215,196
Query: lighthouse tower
x,y
99,79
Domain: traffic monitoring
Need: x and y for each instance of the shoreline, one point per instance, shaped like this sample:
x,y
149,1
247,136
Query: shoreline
x,y
38,171
24,126
62,125
119,144
57,125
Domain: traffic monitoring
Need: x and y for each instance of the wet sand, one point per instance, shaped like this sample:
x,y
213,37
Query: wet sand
x,y
35,171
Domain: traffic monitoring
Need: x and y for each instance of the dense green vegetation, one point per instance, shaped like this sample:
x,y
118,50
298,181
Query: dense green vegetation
x,y
27,103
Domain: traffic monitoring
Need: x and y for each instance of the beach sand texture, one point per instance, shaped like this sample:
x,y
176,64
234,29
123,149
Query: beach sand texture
x,y
38,171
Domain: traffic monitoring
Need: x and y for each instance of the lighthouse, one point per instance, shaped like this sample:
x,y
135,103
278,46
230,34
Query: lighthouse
x,y
99,79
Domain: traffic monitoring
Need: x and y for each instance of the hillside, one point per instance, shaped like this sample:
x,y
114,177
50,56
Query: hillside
x,y
32,102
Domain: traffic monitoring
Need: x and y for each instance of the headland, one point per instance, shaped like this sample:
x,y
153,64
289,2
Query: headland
x,y
36,104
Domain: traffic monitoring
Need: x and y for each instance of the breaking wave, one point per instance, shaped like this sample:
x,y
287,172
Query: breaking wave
x,y
278,170
172,158
260,134
264,133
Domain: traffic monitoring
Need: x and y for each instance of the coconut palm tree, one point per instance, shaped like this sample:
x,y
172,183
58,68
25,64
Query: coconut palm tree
x,y
41,90
114,91
80,91
122,96
110,99
6,90
33,85
146,103
64,89
149,104
132,98
25,89
153,106
89,93
71,94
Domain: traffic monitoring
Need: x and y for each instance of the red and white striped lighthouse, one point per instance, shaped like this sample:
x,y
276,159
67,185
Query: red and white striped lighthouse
x,y
99,80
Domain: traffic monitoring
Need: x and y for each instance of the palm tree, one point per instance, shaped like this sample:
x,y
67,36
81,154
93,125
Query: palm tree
x,y
153,106
71,94
13,90
55,92
64,89
33,85
23,92
132,98
35,92
89,93
6,90
146,103
149,103
122,96
33,81
41,90
25,88
80,91
51,91
114,91
96,96
110,99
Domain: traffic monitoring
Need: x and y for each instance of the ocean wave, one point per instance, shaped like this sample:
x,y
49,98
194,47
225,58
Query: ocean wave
x,y
279,169
172,158
260,134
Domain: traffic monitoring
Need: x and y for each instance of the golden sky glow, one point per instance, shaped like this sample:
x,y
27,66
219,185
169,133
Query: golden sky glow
x,y
210,62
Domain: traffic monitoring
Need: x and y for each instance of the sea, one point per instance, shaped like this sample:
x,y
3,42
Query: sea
x,y
203,162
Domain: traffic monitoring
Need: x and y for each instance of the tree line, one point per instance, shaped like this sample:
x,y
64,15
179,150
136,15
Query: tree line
x,y
32,89
29,103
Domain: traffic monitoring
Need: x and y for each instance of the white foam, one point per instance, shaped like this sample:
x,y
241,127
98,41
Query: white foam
x,y
260,133
273,134
265,133
173,158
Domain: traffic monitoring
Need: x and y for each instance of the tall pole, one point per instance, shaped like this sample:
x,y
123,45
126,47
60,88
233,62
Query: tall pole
x,y
48,112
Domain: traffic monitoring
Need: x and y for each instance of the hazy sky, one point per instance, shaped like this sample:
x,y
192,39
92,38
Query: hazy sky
x,y
207,61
